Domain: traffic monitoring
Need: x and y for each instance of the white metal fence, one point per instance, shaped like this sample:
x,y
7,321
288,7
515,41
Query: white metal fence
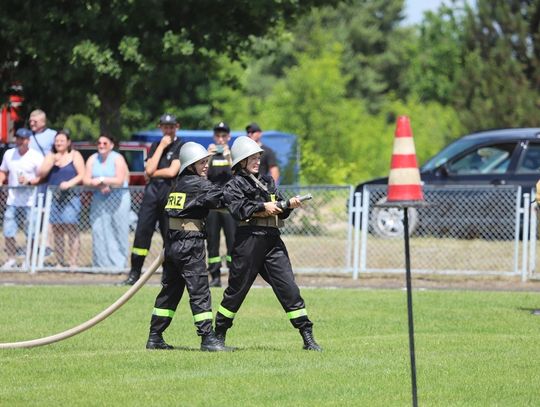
x,y
467,230
464,231
317,236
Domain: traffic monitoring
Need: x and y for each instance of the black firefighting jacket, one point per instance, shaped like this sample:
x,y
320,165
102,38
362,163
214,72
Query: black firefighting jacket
x,y
192,197
243,197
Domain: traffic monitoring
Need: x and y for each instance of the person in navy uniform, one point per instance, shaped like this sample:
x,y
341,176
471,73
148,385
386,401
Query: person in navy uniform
x,y
219,172
162,166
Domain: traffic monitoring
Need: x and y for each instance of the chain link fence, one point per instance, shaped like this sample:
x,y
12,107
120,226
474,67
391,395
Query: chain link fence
x,y
82,230
464,230
318,236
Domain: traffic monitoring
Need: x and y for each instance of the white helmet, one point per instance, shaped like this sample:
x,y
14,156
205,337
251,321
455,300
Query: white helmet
x,y
242,148
191,153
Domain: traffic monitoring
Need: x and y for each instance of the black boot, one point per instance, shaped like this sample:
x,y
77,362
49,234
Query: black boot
x,y
309,340
155,341
132,278
216,279
220,336
211,343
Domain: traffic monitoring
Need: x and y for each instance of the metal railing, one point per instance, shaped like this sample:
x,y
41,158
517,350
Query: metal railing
x,y
467,230
317,236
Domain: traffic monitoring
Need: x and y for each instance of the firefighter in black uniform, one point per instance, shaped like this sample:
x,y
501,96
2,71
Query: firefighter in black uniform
x,y
161,167
258,249
219,172
188,203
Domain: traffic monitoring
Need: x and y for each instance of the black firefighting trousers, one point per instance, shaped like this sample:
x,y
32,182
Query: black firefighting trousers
x,y
214,223
184,266
151,211
263,254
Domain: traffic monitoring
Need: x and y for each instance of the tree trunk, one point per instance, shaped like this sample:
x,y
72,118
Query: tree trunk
x,y
110,98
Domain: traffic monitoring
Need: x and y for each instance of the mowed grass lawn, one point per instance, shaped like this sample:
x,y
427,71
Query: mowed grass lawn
x,y
472,349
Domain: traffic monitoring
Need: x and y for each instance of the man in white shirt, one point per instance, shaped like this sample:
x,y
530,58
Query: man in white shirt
x,y
42,138
20,166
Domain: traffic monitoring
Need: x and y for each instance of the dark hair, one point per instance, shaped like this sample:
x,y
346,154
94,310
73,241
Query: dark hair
x,y
108,137
66,133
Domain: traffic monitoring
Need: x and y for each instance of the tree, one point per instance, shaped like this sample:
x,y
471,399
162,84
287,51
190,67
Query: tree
x,y
436,58
500,82
87,57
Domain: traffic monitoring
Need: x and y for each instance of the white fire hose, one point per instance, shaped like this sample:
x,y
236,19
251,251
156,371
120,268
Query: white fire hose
x,y
91,322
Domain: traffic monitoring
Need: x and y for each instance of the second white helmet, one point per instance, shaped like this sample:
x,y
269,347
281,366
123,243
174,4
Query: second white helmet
x,y
242,148
190,153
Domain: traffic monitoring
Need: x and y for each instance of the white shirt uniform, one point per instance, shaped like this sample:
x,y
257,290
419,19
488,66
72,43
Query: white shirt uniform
x,y
16,164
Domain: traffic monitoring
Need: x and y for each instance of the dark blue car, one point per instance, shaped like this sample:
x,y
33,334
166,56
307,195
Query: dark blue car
x,y
480,163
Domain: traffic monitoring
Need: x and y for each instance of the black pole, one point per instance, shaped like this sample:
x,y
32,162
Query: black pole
x,y
409,305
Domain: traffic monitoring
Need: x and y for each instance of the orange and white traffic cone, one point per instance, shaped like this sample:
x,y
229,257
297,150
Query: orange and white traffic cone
x,y
404,183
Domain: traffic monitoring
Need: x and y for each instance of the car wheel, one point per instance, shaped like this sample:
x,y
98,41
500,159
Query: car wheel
x,y
388,222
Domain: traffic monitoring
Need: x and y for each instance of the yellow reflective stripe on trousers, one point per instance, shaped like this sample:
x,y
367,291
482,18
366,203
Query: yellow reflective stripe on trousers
x,y
296,314
212,260
160,312
229,258
140,252
202,316
224,311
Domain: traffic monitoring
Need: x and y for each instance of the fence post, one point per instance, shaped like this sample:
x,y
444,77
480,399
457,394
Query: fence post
x,y
365,226
356,246
532,238
45,227
516,231
526,198
37,222
350,227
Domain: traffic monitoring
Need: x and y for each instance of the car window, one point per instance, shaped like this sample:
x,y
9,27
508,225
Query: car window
x,y
493,159
447,153
135,159
530,162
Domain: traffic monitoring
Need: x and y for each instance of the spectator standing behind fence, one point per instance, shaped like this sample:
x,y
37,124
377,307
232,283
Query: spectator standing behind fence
x,y
107,171
20,166
269,164
42,139
161,168
219,172
189,201
258,248
63,169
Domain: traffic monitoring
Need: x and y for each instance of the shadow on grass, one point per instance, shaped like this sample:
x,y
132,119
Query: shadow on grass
x,y
533,311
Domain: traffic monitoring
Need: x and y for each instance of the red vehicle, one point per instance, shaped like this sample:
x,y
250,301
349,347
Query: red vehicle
x,y
134,152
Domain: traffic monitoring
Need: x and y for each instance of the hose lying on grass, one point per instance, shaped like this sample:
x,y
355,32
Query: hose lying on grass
x,y
91,322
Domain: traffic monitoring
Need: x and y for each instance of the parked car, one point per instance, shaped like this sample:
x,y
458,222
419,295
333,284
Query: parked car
x,y
492,159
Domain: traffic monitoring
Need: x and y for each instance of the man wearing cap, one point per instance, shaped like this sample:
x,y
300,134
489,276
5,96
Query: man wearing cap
x,y
268,164
161,167
20,166
42,138
219,172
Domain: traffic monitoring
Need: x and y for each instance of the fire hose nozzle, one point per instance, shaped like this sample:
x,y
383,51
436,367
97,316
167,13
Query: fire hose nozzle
x,y
285,204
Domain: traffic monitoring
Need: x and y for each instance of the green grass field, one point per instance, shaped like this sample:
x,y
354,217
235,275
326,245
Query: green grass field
x,y
472,349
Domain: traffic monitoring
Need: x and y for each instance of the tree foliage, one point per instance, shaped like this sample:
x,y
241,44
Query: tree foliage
x,y
501,77
336,73
99,55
